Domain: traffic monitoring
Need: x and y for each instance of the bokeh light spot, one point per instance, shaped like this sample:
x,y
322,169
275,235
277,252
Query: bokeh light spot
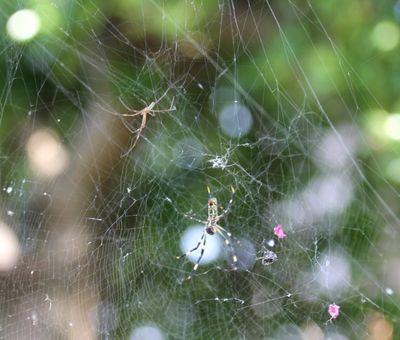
x,y
235,120
9,248
389,291
396,9
192,236
334,274
188,153
147,333
103,317
23,25
392,126
246,254
47,156
385,36
393,170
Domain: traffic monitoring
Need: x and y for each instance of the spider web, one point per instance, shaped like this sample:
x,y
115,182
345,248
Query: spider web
x,y
260,99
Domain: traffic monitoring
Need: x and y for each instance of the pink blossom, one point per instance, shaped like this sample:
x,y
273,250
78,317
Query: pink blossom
x,y
278,231
334,311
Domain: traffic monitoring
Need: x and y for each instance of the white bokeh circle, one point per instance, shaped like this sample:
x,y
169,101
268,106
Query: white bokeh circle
x,y
147,332
235,120
23,25
188,153
191,237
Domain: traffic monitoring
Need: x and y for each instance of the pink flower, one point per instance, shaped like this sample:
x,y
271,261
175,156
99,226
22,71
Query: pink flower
x,y
334,311
278,231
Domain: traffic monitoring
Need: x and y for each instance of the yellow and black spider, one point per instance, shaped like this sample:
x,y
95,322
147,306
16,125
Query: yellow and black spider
x,y
212,227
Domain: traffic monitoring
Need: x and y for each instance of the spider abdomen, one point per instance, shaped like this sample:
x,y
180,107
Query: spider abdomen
x,y
210,231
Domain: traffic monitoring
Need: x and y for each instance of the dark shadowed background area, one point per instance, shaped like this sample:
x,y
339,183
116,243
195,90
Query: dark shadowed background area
x,y
115,116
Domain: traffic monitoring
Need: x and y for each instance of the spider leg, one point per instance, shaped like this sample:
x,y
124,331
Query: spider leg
x,y
127,107
147,107
195,248
209,192
228,242
229,234
131,147
193,218
136,113
138,133
160,98
154,103
199,259
166,110
129,128
228,207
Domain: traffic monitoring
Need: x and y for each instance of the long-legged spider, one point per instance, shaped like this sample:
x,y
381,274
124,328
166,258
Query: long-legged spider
x,y
143,112
212,227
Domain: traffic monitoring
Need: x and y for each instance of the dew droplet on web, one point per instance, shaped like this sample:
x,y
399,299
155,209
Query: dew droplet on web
x,y
389,291
271,243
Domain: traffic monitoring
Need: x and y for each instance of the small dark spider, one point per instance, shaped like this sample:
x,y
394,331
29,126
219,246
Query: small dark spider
x,y
268,257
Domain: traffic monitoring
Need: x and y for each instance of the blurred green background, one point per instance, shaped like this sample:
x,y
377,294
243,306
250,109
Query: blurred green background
x,y
91,226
